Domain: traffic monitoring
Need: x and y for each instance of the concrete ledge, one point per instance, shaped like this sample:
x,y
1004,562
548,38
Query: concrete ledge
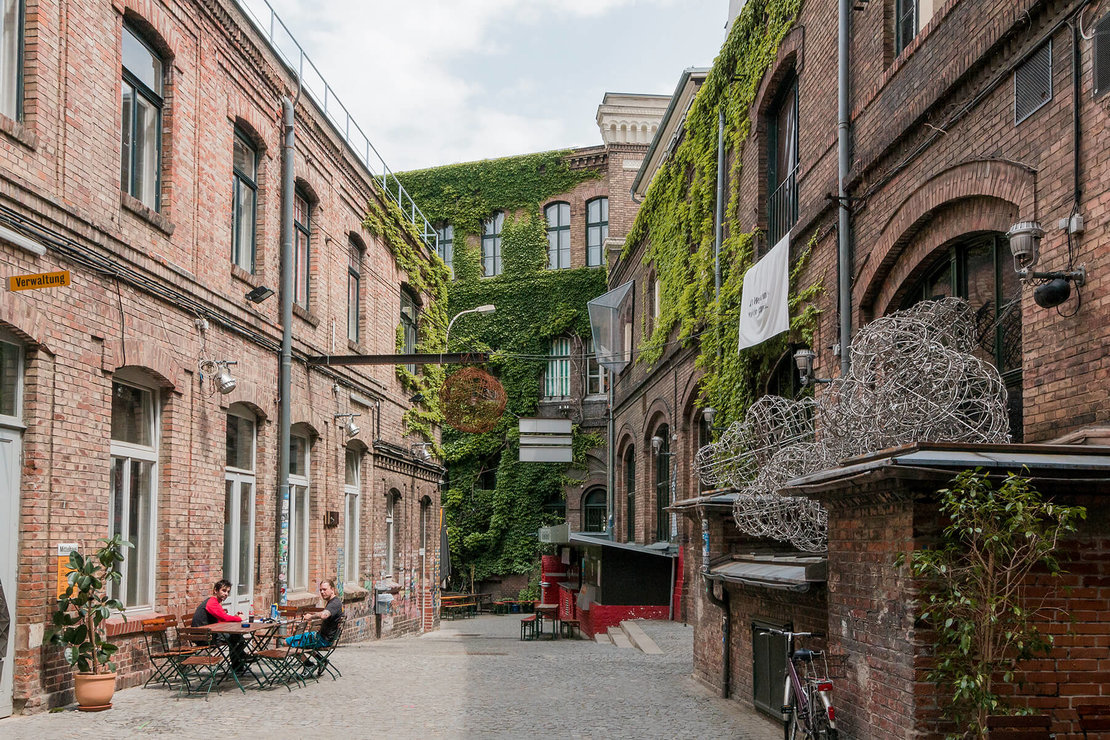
x,y
639,638
616,634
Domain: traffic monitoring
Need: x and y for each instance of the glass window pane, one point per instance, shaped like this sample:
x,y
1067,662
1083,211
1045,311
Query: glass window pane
x,y
126,114
11,56
229,530
141,556
245,537
243,158
297,446
244,225
131,414
300,269
9,379
240,442
141,62
353,459
147,125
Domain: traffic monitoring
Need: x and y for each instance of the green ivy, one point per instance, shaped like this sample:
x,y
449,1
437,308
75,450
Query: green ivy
x,y
492,531
676,225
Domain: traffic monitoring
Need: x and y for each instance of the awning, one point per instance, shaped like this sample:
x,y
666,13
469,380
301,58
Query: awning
x,y
711,499
664,549
787,571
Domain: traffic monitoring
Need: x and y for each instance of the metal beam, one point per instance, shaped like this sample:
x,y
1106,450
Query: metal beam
x,y
445,358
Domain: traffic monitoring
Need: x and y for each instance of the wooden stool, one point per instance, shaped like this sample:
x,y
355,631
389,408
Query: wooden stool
x,y
569,627
528,627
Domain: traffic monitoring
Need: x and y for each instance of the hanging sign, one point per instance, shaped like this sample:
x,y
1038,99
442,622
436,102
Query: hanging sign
x,y
64,549
764,311
41,280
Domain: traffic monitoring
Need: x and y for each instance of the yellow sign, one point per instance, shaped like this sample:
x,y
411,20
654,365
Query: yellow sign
x,y
42,280
64,549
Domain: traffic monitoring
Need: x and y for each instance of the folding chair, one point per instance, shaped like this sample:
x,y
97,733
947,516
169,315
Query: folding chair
x,y
209,664
283,659
155,634
322,656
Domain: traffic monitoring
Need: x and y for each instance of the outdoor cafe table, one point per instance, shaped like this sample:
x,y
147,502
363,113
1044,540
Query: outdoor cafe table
x,y
550,611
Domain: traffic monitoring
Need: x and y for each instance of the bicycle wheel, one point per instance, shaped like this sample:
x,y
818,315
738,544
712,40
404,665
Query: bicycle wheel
x,y
822,731
793,729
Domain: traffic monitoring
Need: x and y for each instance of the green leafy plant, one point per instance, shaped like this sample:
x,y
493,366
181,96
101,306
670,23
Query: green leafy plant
x,y
79,620
974,589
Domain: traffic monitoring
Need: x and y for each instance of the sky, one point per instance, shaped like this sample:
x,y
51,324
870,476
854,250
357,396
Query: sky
x,y
435,82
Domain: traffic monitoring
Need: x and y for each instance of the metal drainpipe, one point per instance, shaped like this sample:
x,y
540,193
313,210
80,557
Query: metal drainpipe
x,y
843,125
284,380
611,476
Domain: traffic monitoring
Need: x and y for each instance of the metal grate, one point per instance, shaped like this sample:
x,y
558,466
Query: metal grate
x,y
1102,55
1033,83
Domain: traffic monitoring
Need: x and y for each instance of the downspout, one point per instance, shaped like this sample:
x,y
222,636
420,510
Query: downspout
x,y
844,247
1077,191
722,604
611,473
284,374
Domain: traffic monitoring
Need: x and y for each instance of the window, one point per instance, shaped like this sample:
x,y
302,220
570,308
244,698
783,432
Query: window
x,y
663,485
408,325
597,377
597,230
354,289
298,512
301,245
558,236
1100,56
390,528
491,244
981,270
910,16
244,201
11,381
239,508
133,489
705,436
1033,83
141,119
656,298
593,511
557,378
445,246
11,58
352,489
782,163
630,492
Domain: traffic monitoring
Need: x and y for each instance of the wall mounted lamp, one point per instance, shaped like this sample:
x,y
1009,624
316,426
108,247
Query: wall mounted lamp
x,y
657,445
259,294
803,359
350,428
1025,242
221,375
421,452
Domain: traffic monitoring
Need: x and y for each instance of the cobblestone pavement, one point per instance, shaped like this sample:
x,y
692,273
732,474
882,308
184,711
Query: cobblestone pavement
x,y
471,679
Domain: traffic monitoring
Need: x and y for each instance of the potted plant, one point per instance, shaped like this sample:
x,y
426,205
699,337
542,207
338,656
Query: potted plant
x,y
79,623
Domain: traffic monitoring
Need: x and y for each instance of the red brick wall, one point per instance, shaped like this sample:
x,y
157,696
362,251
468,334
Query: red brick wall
x,y
600,617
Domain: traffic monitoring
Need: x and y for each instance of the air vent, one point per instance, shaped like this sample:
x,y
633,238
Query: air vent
x,y
1102,55
1033,83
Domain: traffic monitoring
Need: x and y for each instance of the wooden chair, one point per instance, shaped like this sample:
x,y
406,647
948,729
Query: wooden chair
x,y
207,664
284,659
1019,727
1094,719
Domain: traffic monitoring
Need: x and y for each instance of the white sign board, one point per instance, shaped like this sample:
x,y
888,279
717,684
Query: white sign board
x,y
545,440
764,311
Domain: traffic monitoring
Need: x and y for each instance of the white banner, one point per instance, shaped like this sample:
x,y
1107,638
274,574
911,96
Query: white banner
x,y
764,311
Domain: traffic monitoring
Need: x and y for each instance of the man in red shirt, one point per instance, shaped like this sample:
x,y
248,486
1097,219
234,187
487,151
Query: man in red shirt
x,y
212,611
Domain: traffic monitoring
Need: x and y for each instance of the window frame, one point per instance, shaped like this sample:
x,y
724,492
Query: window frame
x,y
238,477
16,419
663,491
239,179
445,246
300,495
354,290
491,244
597,376
557,234
128,453
557,375
779,225
391,499
20,66
302,243
590,509
157,101
352,504
630,492
410,325
601,227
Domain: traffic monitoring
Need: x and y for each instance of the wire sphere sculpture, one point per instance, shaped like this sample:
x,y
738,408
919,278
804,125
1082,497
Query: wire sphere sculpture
x,y
912,378
472,400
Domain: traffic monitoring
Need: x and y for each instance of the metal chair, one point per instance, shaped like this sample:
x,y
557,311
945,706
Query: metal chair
x,y
322,656
209,664
284,659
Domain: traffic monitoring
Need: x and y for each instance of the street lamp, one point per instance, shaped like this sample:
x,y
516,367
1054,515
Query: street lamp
x,y
488,308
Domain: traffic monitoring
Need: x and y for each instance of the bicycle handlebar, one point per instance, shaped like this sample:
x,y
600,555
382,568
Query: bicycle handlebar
x,y
787,633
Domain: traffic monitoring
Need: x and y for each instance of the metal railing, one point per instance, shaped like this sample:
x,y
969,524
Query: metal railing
x,y
282,42
782,209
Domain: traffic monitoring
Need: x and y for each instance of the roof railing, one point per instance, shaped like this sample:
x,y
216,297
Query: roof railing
x,y
285,45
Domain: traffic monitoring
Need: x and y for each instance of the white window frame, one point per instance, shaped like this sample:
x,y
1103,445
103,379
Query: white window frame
x,y
130,453
300,495
491,244
556,381
391,500
597,377
352,498
237,478
11,61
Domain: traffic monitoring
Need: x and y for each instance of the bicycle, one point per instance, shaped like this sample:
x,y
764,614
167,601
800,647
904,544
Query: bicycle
x,y
807,698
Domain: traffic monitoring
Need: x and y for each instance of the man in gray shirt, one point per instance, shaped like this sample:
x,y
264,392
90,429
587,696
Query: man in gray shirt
x,y
331,614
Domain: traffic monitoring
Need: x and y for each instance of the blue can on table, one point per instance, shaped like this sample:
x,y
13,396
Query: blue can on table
x,y
273,612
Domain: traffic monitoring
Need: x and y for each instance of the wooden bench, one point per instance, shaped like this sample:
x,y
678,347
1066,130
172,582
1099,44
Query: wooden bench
x,y
1094,719
1019,727
528,627
569,627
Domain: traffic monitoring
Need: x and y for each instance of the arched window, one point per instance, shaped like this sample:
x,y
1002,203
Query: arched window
x,y
782,162
141,116
597,230
491,244
239,510
662,482
558,236
630,492
594,511
298,511
244,199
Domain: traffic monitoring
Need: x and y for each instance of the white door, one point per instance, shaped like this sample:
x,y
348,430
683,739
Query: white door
x,y
9,543
239,541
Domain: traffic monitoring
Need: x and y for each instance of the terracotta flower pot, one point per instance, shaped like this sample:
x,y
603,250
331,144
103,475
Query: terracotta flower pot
x,y
94,691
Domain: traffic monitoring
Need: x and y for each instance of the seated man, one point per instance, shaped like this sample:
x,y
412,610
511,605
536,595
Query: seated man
x,y
329,628
212,611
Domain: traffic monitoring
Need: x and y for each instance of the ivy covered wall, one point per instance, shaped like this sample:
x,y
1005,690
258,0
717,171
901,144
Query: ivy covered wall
x,y
494,504
676,226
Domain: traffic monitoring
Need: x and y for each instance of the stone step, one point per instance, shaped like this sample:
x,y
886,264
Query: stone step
x,y
616,634
639,638
602,638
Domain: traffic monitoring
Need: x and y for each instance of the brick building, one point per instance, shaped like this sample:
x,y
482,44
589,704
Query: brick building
x,y
967,117
141,151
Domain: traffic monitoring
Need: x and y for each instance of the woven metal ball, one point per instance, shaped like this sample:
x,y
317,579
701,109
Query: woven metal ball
x,y
472,400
